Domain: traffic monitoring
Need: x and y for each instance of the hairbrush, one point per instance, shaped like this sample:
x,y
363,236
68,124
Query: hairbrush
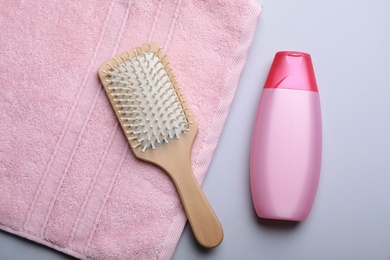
x,y
160,127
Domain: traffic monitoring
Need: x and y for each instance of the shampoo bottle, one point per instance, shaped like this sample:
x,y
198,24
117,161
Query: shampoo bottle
x,y
286,149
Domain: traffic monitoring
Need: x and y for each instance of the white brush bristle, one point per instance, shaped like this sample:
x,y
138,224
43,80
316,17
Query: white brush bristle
x,y
149,105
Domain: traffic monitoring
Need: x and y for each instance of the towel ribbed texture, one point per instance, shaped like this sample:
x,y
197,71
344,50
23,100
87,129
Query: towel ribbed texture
x,y
68,179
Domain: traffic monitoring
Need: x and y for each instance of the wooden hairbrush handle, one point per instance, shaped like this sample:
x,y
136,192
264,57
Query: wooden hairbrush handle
x,y
204,223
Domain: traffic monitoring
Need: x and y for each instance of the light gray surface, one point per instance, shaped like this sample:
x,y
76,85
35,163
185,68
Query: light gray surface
x,y
349,42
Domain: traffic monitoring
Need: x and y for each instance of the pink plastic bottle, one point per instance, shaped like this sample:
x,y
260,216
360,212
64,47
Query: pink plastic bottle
x,y
286,147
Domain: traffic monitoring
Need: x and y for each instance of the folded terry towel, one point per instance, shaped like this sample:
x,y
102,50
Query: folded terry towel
x,y
68,179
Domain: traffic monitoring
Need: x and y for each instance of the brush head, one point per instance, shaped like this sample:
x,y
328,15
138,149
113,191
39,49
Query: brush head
x,y
146,97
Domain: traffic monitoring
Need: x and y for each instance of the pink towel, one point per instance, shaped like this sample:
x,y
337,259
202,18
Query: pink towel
x,y
68,179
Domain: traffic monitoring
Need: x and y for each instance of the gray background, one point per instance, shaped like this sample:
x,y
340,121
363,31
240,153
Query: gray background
x,y
349,42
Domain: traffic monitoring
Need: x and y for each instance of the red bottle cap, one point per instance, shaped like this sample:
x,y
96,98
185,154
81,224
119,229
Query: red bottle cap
x,y
292,70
